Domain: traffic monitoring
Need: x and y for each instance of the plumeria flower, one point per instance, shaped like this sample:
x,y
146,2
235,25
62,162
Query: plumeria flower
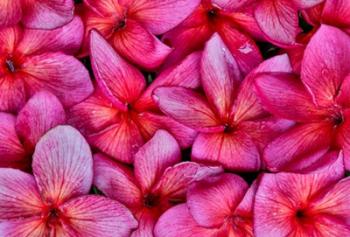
x,y
319,103
156,183
34,60
278,19
19,134
216,206
121,116
54,202
42,14
232,19
231,123
316,204
131,25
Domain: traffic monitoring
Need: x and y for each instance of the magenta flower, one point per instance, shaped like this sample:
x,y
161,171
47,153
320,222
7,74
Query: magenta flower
x,y
131,25
19,135
55,202
233,20
121,116
319,103
156,183
218,206
34,60
278,19
231,123
315,204
40,14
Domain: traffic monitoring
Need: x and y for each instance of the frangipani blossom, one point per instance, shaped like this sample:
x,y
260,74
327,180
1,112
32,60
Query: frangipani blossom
x,y
54,202
218,206
131,25
233,20
19,134
34,60
232,125
304,205
156,183
319,103
121,116
40,14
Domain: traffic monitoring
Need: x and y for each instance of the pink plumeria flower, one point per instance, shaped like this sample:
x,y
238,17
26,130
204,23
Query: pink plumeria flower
x,y
278,19
233,20
55,201
156,183
219,206
40,14
314,204
34,60
19,134
121,116
231,123
319,103
131,25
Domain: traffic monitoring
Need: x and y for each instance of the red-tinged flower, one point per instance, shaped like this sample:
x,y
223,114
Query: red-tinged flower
x,y
39,14
54,202
34,60
131,25
278,19
19,135
218,206
319,103
121,116
157,182
316,204
233,20
232,125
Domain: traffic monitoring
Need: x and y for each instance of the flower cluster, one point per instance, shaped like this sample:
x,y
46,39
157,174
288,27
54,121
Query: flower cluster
x,y
168,118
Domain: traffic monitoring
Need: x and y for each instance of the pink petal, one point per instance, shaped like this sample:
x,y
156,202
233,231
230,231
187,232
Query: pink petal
x,y
62,75
231,5
10,12
220,75
139,46
178,221
306,3
154,157
41,113
278,20
44,14
187,107
279,91
212,200
98,216
185,74
160,17
12,93
323,69
246,20
67,39
147,221
298,147
11,149
62,165
33,226
337,13
116,181
235,151
19,196
343,93
121,82
9,38
105,7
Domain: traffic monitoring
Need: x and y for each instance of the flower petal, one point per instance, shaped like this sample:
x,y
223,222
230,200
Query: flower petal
x,y
62,165
302,4
12,93
98,216
116,181
231,5
186,107
337,13
23,227
41,113
154,157
118,80
44,14
147,220
9,38
10,12
60,74
325,63
212,200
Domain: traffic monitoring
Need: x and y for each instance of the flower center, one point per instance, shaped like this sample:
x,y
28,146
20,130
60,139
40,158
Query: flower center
x,y
228,128
120,24
151,200
213,13
338,119
10,65
300,214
